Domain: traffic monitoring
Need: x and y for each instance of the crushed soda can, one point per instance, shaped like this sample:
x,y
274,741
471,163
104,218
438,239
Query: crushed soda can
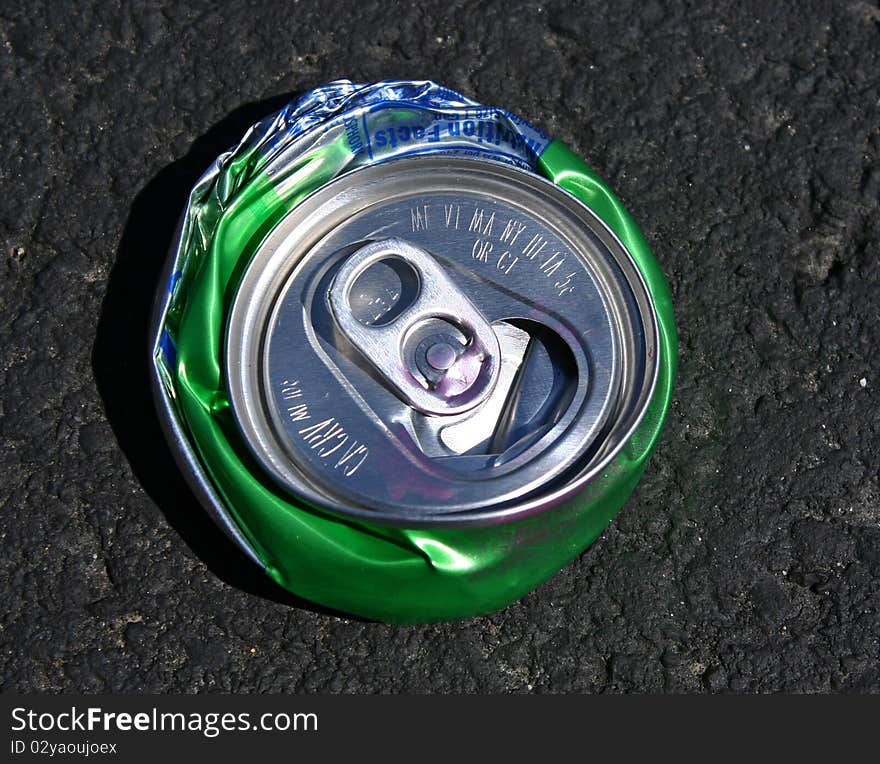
x,y
412,354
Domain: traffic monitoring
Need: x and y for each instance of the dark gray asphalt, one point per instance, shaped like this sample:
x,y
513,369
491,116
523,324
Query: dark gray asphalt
x,y
743,136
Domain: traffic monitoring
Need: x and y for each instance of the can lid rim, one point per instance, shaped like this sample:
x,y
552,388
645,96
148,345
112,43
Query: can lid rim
x,y
531,504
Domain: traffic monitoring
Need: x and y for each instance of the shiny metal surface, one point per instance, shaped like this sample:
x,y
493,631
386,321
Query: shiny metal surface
x,y
576,338
435,373
441,436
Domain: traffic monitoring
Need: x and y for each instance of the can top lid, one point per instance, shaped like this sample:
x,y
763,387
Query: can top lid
x,y
439,340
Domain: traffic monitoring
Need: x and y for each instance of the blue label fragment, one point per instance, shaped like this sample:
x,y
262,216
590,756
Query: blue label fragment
x,y
388,120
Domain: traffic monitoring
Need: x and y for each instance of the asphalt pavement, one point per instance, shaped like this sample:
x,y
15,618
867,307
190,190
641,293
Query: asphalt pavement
x,y
744,138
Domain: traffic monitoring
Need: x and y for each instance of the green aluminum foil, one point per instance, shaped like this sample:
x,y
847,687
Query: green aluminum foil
x,y
375,571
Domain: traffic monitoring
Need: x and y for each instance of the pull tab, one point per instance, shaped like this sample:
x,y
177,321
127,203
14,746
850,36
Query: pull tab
x,y
438,351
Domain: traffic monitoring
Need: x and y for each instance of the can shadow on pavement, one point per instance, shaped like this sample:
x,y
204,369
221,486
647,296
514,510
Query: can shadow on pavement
x,y
120,356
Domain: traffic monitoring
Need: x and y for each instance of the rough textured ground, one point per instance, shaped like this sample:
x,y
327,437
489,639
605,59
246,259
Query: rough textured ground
x,y
744,137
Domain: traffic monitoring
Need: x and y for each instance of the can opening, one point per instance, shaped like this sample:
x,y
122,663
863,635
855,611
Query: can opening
x,y
544,388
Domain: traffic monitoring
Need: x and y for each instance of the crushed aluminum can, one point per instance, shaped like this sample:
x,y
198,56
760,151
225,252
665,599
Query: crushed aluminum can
x,y
412,354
